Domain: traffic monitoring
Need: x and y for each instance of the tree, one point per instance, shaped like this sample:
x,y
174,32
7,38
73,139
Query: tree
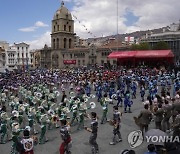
x,y
141,46
134,47
161,46
144,46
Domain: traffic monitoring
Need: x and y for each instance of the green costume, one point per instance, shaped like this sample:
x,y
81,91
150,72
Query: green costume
x,y
74,116
3,131
42,138
82,113
104,105
15,137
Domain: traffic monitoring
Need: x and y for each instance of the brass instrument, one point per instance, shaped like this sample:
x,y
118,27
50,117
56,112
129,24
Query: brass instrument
x,y
93,105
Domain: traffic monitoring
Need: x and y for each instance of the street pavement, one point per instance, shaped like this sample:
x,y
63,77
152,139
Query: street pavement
x,y
80,144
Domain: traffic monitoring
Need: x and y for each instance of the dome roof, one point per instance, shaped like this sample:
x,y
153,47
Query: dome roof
x,y
62,12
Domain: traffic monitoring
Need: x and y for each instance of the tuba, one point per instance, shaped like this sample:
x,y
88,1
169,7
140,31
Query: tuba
x,y
93,105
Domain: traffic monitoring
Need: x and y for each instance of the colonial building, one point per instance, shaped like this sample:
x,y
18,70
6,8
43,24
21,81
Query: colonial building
x,y
68,50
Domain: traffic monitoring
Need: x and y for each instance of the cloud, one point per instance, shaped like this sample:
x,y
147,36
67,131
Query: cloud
x,y
40,41
37,25
40,24
28,29
100,17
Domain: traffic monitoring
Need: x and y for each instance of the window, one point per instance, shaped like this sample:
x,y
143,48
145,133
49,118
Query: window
x,y
70,55
54,41
102,62
63,55
64,27
64,42
54,28
69,28
70,43
83,62
26,55
18,48
57,43
102,53
22,48
58,27
23,55
79,62
18,54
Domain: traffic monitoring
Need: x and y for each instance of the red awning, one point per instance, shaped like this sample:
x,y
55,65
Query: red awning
x,y
154,54
122,54
142,54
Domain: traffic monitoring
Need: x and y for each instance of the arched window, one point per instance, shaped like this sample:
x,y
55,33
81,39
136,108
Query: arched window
x,y
54,43
70,43
57,43
64,42
64,27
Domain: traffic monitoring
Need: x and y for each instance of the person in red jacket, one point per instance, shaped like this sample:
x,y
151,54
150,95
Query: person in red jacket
x,y
66,137
28,143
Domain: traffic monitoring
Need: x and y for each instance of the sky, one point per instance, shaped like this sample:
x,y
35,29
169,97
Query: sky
x,y
30,20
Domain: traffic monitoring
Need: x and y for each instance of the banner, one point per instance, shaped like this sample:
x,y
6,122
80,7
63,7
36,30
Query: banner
x,y
69,61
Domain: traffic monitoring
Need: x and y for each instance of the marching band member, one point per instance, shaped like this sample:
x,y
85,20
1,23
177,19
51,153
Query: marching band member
x,y
44,121
104,104
15,137
116,124
93,129
74,109
28,143
127,102
82,114
4,127
66,137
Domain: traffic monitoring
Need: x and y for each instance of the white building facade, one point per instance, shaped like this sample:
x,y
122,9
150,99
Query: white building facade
x,y
19,56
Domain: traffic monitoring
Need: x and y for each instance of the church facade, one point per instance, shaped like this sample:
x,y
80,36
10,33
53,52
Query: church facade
x,y
63,53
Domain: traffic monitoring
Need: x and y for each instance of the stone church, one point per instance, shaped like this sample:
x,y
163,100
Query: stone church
x,y
63,53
